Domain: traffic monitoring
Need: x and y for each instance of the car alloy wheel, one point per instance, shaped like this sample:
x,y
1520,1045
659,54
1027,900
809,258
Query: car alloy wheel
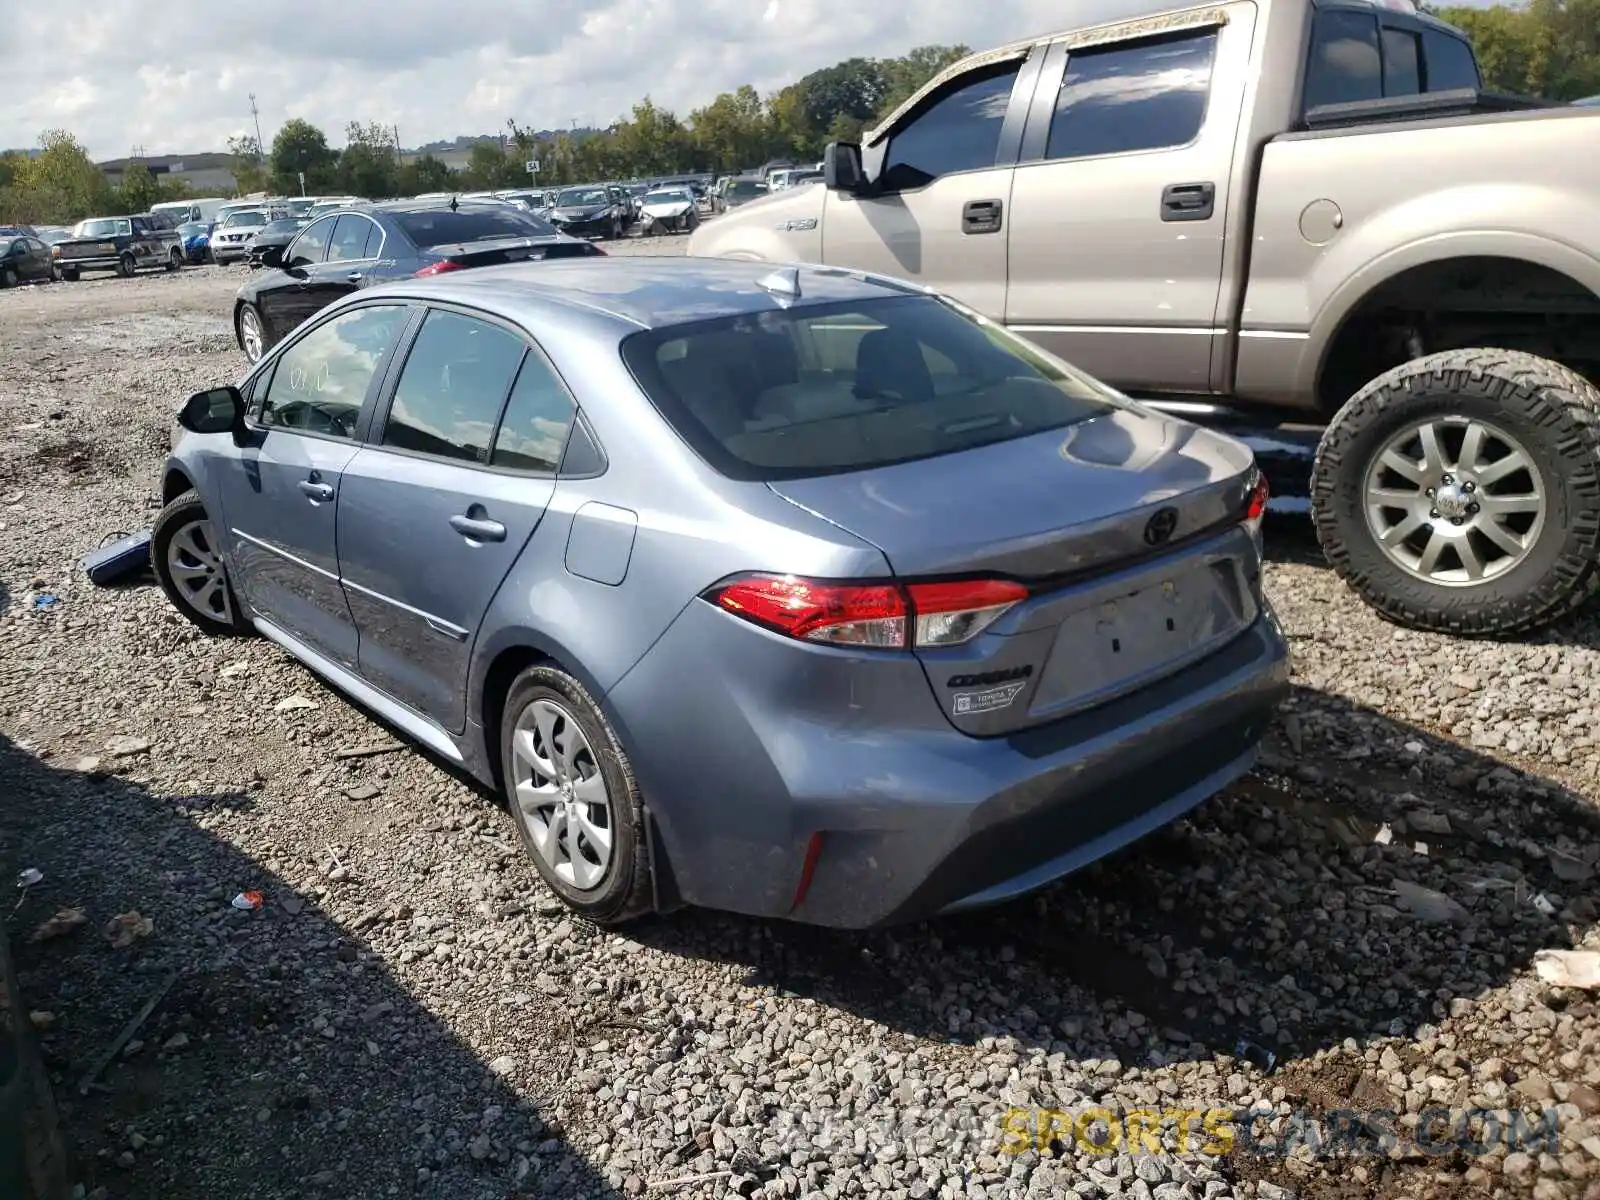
x,y
251,337
194,564
560,795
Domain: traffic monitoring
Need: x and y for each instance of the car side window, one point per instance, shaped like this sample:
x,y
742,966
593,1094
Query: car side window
x,y
140,228
1402,70
538,417
958,130
349,239
320,381
452,387
1345,65
312,244
374,245
1144,95
1447,63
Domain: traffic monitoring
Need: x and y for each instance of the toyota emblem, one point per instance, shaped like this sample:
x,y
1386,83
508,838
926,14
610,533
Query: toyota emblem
x,y
1160,527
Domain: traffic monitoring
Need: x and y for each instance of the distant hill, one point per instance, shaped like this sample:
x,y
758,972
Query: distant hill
x,y
176,163
466,142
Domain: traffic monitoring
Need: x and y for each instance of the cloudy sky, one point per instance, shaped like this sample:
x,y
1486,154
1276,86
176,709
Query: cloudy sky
x,y
121,73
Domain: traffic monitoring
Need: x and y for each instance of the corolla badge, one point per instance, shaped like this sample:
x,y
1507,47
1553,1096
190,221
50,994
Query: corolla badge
x,y
1160,527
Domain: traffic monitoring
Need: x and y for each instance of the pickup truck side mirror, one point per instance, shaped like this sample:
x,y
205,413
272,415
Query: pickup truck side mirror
x,y
272,256
215,410
841,166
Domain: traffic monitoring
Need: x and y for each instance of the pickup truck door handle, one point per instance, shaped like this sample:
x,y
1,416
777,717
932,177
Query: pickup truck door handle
x,y
315,490
1188,201
981,216
478,529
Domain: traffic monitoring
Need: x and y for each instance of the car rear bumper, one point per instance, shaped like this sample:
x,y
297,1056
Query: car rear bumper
x,y
917,819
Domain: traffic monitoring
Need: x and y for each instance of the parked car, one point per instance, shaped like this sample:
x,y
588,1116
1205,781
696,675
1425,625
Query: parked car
x,y
597,520
328,204
589,211
741,189
51,234
184,212
276,235
1100,200
18,231
24,259
196,239
1588,102
120,244
300,206
230,240
669,210
343,252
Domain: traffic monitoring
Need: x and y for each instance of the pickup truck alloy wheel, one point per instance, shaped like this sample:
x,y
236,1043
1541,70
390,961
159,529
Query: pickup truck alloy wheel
x,y
572,792
1460,492
187,560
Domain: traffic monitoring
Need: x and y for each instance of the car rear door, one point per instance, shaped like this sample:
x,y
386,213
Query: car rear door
x,y
1120,200
304,420
437,506
939,211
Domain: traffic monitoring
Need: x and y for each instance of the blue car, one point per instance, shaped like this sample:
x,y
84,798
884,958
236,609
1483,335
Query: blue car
x,y
196,237
795,592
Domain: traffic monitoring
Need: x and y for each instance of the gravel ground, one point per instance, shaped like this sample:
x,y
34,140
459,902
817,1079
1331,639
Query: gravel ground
x,y
410,1013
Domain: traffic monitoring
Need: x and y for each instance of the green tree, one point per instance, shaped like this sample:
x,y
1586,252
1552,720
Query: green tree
x,y
139,189
489,166
368,165
249,173
854,88
909,72
426,173
300,148
652,142
733,131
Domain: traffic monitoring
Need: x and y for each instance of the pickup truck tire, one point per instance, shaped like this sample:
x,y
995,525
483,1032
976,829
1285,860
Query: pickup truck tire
x,y
69,274
1433,557
126,266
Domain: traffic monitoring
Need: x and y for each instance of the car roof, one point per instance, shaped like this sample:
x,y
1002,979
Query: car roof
x,y
649,292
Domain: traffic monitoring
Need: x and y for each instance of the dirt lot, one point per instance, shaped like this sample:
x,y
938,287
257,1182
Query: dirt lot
x,y
410,1014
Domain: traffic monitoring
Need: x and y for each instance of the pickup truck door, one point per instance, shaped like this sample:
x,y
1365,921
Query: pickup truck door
x,y
939,212
1119,203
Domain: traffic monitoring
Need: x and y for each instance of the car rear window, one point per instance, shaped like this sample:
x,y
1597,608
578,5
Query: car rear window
x,y
851,386
442,227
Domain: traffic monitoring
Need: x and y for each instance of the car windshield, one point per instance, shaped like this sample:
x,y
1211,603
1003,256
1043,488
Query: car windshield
x,y
850,386
667,196
102,228
574,197
747,187
444,227
52,236
247,217
301,206
288,225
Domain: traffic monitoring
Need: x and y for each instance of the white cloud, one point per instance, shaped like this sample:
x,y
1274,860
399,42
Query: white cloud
x,y
118,78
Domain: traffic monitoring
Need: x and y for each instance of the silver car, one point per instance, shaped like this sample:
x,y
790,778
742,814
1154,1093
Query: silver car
x,y
794,591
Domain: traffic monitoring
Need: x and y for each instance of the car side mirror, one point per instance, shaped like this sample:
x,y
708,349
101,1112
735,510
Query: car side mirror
x,y
272,256
216,410
841,166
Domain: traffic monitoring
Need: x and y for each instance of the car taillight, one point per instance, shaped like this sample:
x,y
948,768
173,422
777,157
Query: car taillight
x,y
439,268
883,616
1255,507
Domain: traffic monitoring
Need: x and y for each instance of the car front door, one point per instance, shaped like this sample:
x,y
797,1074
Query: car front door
x,y
355,245
1120,202
285,298
280,501
436,508
39,265
942,184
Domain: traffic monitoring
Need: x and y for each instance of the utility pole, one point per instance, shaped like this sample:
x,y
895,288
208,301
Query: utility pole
x,y
261,151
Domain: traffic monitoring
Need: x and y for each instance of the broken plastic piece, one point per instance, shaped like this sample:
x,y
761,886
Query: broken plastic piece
x,y
45,600
248,901
29,876
1258,1056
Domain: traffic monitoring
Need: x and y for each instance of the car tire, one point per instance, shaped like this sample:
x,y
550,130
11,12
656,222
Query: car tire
x,y
8,277
188,564
1523,492
126,266
175,259
542,702
256,343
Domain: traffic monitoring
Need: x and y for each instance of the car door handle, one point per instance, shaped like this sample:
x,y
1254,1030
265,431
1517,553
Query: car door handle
x,y
478,529
981,216
318,492
354,277
1188,201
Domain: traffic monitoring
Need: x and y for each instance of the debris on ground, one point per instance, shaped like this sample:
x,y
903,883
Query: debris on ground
x,y
63,922
124,929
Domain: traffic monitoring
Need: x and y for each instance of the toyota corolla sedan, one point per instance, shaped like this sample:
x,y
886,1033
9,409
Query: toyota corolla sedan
x,y
790,591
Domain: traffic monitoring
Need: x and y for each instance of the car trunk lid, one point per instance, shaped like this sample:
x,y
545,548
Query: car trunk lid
x,y
493,252
1125,527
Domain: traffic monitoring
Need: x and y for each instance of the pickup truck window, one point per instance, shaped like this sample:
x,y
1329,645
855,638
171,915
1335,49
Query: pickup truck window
x,y
958,131
1144,95
1402,72
1346,65
1448,62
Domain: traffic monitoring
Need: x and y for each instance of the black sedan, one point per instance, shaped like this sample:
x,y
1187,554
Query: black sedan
x,y
24,259
353,248
590,211
279,234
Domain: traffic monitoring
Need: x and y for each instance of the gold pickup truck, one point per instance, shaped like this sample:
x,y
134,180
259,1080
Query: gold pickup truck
x,y
1298,207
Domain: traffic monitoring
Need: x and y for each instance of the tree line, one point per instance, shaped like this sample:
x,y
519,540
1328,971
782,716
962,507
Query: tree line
x,y
1545,47
738,129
